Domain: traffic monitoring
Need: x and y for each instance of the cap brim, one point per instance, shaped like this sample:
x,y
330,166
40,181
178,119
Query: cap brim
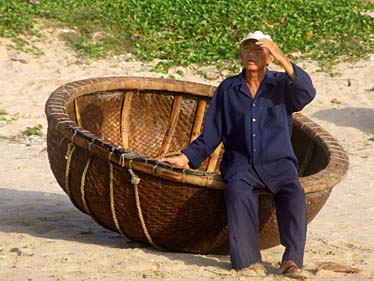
x,y
255,38
247,39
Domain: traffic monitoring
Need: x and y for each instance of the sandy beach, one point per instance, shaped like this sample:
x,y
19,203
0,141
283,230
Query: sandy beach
x,y
44,237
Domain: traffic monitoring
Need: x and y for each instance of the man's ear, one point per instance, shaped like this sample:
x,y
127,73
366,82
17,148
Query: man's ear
x,y
240,54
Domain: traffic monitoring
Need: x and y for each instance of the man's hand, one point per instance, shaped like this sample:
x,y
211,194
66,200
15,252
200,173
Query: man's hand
x,y
180,160
278,55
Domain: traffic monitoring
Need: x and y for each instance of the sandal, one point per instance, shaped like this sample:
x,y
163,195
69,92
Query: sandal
x,y
291,270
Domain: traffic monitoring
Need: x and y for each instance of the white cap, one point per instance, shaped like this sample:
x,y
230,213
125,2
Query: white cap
x,y
257,35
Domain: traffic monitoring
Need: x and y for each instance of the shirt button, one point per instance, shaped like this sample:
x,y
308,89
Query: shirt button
x,y
254,105
254,150
254,135
254,119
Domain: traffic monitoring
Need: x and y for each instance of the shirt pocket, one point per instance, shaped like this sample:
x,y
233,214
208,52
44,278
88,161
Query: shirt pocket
x,y
276,116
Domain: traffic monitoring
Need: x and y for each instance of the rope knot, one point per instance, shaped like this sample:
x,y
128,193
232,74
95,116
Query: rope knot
x,y
135,180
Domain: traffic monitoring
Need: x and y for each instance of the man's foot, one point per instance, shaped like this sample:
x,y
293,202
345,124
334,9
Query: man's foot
x,y
291,270
257,269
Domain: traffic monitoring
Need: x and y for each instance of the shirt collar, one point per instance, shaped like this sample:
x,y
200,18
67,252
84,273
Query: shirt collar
x,y
240,81
268,79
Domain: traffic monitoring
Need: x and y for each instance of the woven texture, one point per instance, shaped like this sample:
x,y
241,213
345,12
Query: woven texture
x,y
104,138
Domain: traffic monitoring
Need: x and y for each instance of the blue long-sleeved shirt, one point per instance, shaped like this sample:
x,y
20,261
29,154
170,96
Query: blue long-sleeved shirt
x,y
256,132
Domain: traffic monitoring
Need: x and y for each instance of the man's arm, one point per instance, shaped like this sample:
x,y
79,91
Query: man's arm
x,y
278,55
300,90
207,142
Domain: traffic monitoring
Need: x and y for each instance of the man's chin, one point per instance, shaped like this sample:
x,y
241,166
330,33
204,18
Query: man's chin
x,y
252,66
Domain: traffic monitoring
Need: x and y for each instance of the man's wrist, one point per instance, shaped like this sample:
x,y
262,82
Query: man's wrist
x,y
185,158
288,67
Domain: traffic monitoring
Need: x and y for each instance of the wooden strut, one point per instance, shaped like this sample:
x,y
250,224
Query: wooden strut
x,y
199,118
126,107
77,112
196,130
304,164
177,105
214,159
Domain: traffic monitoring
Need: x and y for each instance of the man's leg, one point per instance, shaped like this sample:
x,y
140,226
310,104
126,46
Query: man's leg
x,y
292,221
242,217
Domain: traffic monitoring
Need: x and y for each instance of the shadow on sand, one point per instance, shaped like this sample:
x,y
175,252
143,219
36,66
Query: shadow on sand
x,y
52,216
359,118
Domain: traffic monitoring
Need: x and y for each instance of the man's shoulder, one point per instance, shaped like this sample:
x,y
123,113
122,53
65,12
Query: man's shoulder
x,y
231,81
282,75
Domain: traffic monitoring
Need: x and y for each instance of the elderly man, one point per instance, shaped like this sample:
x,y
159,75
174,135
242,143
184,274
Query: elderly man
x,y
252,114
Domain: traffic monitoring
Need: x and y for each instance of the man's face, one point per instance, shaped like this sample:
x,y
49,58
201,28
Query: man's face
x,y
253,57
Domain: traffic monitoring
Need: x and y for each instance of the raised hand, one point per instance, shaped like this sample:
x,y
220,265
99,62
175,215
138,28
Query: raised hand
x,y
278,55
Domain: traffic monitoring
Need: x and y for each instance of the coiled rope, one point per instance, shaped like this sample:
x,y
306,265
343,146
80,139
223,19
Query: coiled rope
x,y
135,180
112,204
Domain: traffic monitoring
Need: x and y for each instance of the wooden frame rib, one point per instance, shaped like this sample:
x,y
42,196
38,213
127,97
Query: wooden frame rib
x,y
77,112
308,154
199,118
177,105
214,159
126,107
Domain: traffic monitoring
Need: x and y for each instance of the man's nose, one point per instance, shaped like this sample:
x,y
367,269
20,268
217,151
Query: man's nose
x,y
251,54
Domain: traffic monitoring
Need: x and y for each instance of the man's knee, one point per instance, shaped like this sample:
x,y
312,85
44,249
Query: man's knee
x,y
293,189
237,191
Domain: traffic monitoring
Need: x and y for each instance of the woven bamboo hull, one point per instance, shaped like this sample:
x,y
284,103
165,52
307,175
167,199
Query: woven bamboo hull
x,y
104,138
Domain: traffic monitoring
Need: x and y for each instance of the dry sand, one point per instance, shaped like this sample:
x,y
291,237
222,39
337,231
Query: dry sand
x,y
43,237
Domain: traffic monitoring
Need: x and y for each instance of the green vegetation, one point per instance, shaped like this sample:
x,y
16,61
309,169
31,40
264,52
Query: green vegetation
x,y
34,131
7,118
181,32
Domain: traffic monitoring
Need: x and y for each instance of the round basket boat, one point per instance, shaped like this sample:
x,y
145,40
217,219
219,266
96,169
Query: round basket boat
x,y
106,134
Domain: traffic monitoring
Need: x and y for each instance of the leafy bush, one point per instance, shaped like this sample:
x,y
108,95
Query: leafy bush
x,y
182,32
6,117
34,131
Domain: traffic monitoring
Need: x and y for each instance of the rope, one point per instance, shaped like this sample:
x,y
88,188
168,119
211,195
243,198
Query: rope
x,y
61,141
174,153
89,145
135,180
83,180
62,122
72,138
112,206
129,156
68,156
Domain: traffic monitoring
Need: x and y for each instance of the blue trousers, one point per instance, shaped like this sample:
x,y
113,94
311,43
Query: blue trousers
x,y
241,198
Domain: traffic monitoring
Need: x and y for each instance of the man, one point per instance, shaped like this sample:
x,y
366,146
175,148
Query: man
x,y
252,114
